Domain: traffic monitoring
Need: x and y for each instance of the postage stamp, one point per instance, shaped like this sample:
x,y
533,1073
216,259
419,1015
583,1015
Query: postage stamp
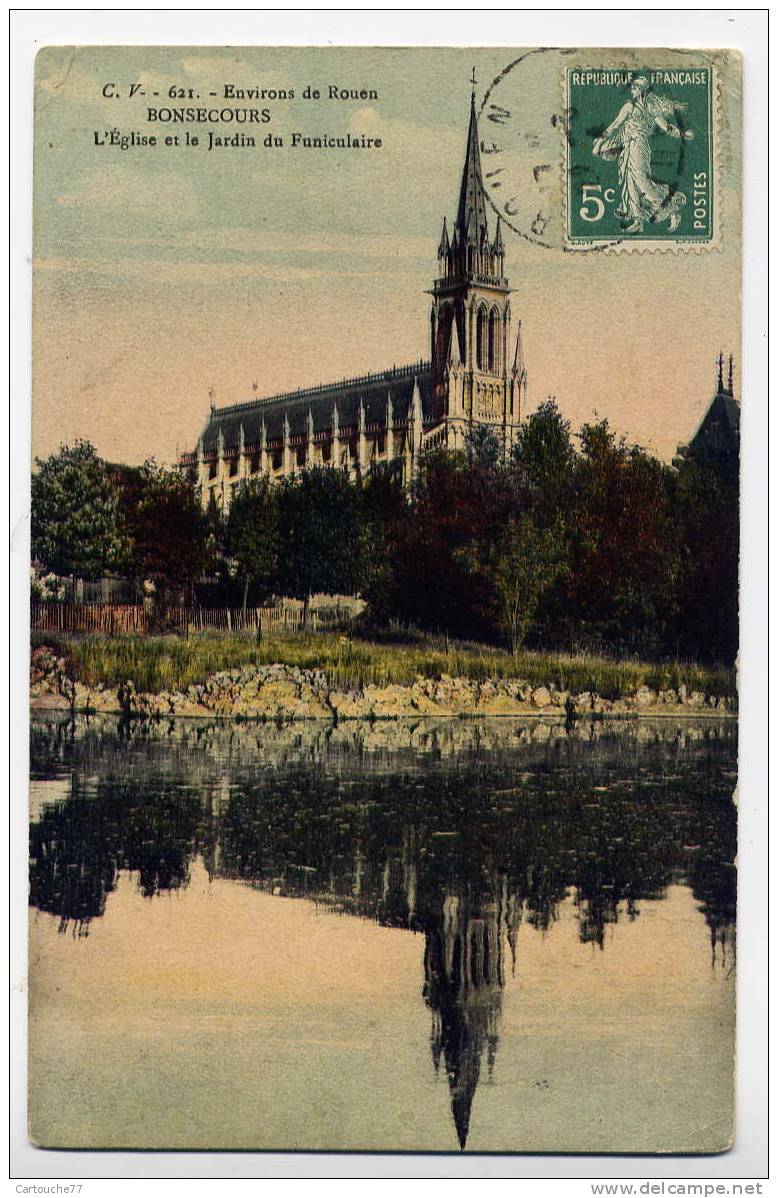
x,y
640,154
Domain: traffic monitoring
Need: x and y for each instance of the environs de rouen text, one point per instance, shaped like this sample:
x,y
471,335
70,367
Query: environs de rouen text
x,y
205,108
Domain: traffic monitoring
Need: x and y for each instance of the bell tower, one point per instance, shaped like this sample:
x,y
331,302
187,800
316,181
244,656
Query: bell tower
x,y
471,349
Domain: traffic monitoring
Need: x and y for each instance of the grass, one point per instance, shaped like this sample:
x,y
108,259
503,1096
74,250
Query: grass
x,y
156,664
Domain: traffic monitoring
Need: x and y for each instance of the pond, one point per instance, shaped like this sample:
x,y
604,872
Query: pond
x,y
498,936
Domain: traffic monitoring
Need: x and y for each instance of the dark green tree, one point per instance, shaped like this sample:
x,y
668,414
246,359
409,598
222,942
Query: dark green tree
x,y
251,537
545,463
384,511
709,516
520,565
622,585
321,530
167,527
76,523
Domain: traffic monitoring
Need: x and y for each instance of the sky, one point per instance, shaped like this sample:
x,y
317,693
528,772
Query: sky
x,y
163,273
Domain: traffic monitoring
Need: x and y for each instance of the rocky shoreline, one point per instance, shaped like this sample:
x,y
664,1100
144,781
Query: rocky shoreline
x,y
281,692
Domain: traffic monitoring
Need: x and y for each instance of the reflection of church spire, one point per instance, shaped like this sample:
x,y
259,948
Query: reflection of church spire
x,y
463,980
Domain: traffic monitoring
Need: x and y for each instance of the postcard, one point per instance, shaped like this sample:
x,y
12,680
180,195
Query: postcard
x,y
384,599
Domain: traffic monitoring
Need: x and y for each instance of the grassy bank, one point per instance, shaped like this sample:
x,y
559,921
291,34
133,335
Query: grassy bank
x,y
156,664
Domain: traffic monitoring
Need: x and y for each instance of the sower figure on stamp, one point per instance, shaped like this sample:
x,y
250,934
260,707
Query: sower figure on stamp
x,y
627,138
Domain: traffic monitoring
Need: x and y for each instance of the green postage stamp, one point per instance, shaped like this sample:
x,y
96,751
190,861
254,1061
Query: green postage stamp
x,y
640,156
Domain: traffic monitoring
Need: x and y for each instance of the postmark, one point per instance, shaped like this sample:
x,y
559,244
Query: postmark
x,y
640,158
574,161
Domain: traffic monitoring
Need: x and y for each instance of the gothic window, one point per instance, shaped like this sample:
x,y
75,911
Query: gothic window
x,y
492,337
481,350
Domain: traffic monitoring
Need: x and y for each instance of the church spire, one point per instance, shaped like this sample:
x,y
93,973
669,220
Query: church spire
x,y
471,215
720,386
731,386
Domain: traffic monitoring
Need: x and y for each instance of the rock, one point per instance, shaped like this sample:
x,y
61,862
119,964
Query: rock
x,y
682,693
500,705
696,699
645,697
541,697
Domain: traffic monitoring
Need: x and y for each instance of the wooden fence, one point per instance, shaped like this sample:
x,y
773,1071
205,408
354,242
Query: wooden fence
x,y
122,619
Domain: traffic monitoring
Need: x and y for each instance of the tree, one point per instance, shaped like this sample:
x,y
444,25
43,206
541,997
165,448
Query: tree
x,y
321,531
483,447
458,505
520,566
167,527
707,500
384,511
544,458
251,536
76,524
622,584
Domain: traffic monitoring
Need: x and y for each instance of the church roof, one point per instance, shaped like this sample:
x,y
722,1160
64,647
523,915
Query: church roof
x,y
717,438
372,390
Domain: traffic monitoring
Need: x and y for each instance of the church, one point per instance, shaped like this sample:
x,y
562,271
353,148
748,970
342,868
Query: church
x,y
475,374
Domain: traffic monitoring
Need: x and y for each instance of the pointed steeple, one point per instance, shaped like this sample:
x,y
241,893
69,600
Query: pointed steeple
x,y
519,367
720,385
445,244
416,409
499,246
730,385
471,214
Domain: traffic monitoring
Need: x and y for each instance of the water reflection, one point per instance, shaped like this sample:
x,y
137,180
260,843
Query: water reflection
x,y
460,832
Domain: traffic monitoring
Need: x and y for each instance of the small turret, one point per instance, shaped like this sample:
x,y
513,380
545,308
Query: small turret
x,y
287,446
519,370
362,442
445,244
720,384
416,409
454,354
731,383
499,245
389,427
335,436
